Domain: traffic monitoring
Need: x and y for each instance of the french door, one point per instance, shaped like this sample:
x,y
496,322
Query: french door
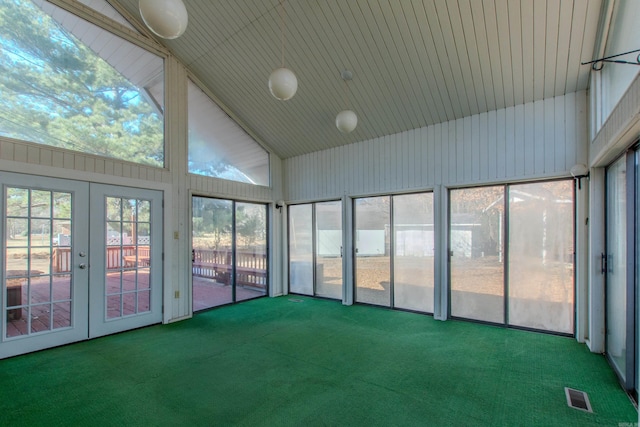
x,y
57,282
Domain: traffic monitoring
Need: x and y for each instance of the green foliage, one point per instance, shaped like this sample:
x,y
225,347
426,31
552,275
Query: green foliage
x,y
57,91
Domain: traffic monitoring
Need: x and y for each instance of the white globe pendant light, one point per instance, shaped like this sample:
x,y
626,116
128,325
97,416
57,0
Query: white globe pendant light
x,y
283,84
346,121
165,18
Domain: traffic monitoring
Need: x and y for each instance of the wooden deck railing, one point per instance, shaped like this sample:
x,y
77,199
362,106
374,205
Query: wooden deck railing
x,y
115,259
251,267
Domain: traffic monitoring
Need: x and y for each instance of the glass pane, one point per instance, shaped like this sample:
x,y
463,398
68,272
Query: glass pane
x,y
61,287
114,208
40,204
62,205
329,249
373,267
212,224
40,288
129,280
144,210
40,232
40,261
114,282
62,93
129,301
143,278
17,202
616,280
17,322
17,261
115,256
541,284
17,229
143,231
114,233
40,318
61,315
301,249
476,240
413,273
114,308
220,148
251,251
62,233
144,301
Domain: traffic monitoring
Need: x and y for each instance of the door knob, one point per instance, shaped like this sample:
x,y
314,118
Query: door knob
x,y
82,266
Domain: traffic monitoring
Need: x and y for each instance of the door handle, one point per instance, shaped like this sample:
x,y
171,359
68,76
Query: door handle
x,y
82,266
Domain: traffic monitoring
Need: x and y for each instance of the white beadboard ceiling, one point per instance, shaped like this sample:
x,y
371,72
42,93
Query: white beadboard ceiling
x,y
414,62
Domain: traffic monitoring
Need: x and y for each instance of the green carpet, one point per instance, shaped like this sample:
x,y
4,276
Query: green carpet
x,y
272,362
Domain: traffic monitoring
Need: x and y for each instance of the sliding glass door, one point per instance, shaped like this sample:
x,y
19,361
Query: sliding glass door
x,y
511,255
315,249
540,233
394,240
229,251
373,259
476,242
621,262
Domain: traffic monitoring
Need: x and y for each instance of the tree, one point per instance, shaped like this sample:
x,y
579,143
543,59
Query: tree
x,y
57,91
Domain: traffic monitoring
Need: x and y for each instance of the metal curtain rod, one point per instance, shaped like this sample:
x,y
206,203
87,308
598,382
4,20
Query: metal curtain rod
x,y
595,62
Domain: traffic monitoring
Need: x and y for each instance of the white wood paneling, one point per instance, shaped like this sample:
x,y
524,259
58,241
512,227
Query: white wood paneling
x,y
532,141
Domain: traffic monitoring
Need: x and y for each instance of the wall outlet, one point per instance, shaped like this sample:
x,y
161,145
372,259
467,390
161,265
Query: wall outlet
x,y
176,294
176,235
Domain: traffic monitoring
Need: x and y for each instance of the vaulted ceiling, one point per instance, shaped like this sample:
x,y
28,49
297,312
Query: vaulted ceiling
x,y
414,62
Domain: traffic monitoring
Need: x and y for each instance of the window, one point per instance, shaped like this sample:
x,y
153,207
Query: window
x,y
68,83
218,147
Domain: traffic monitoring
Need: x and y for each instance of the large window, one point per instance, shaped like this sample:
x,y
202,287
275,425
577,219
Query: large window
x,y
218,147
511,255
70,84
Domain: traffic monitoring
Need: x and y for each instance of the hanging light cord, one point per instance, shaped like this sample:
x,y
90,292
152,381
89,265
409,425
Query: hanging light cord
x,y
282,29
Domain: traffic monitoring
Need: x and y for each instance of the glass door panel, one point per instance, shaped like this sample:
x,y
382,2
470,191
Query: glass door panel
x,y
328,220
301,249
44,276
212,250
126,260
251,251
373,263
541,287
413,263
476,261
616,283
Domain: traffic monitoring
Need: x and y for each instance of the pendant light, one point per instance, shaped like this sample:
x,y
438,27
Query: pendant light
x,y
346,120
165,18
283,83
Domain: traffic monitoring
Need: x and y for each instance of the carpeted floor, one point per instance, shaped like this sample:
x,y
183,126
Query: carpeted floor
x,y
299,361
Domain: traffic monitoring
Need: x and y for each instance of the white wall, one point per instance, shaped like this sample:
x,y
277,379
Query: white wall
x,y
530,141
537,140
